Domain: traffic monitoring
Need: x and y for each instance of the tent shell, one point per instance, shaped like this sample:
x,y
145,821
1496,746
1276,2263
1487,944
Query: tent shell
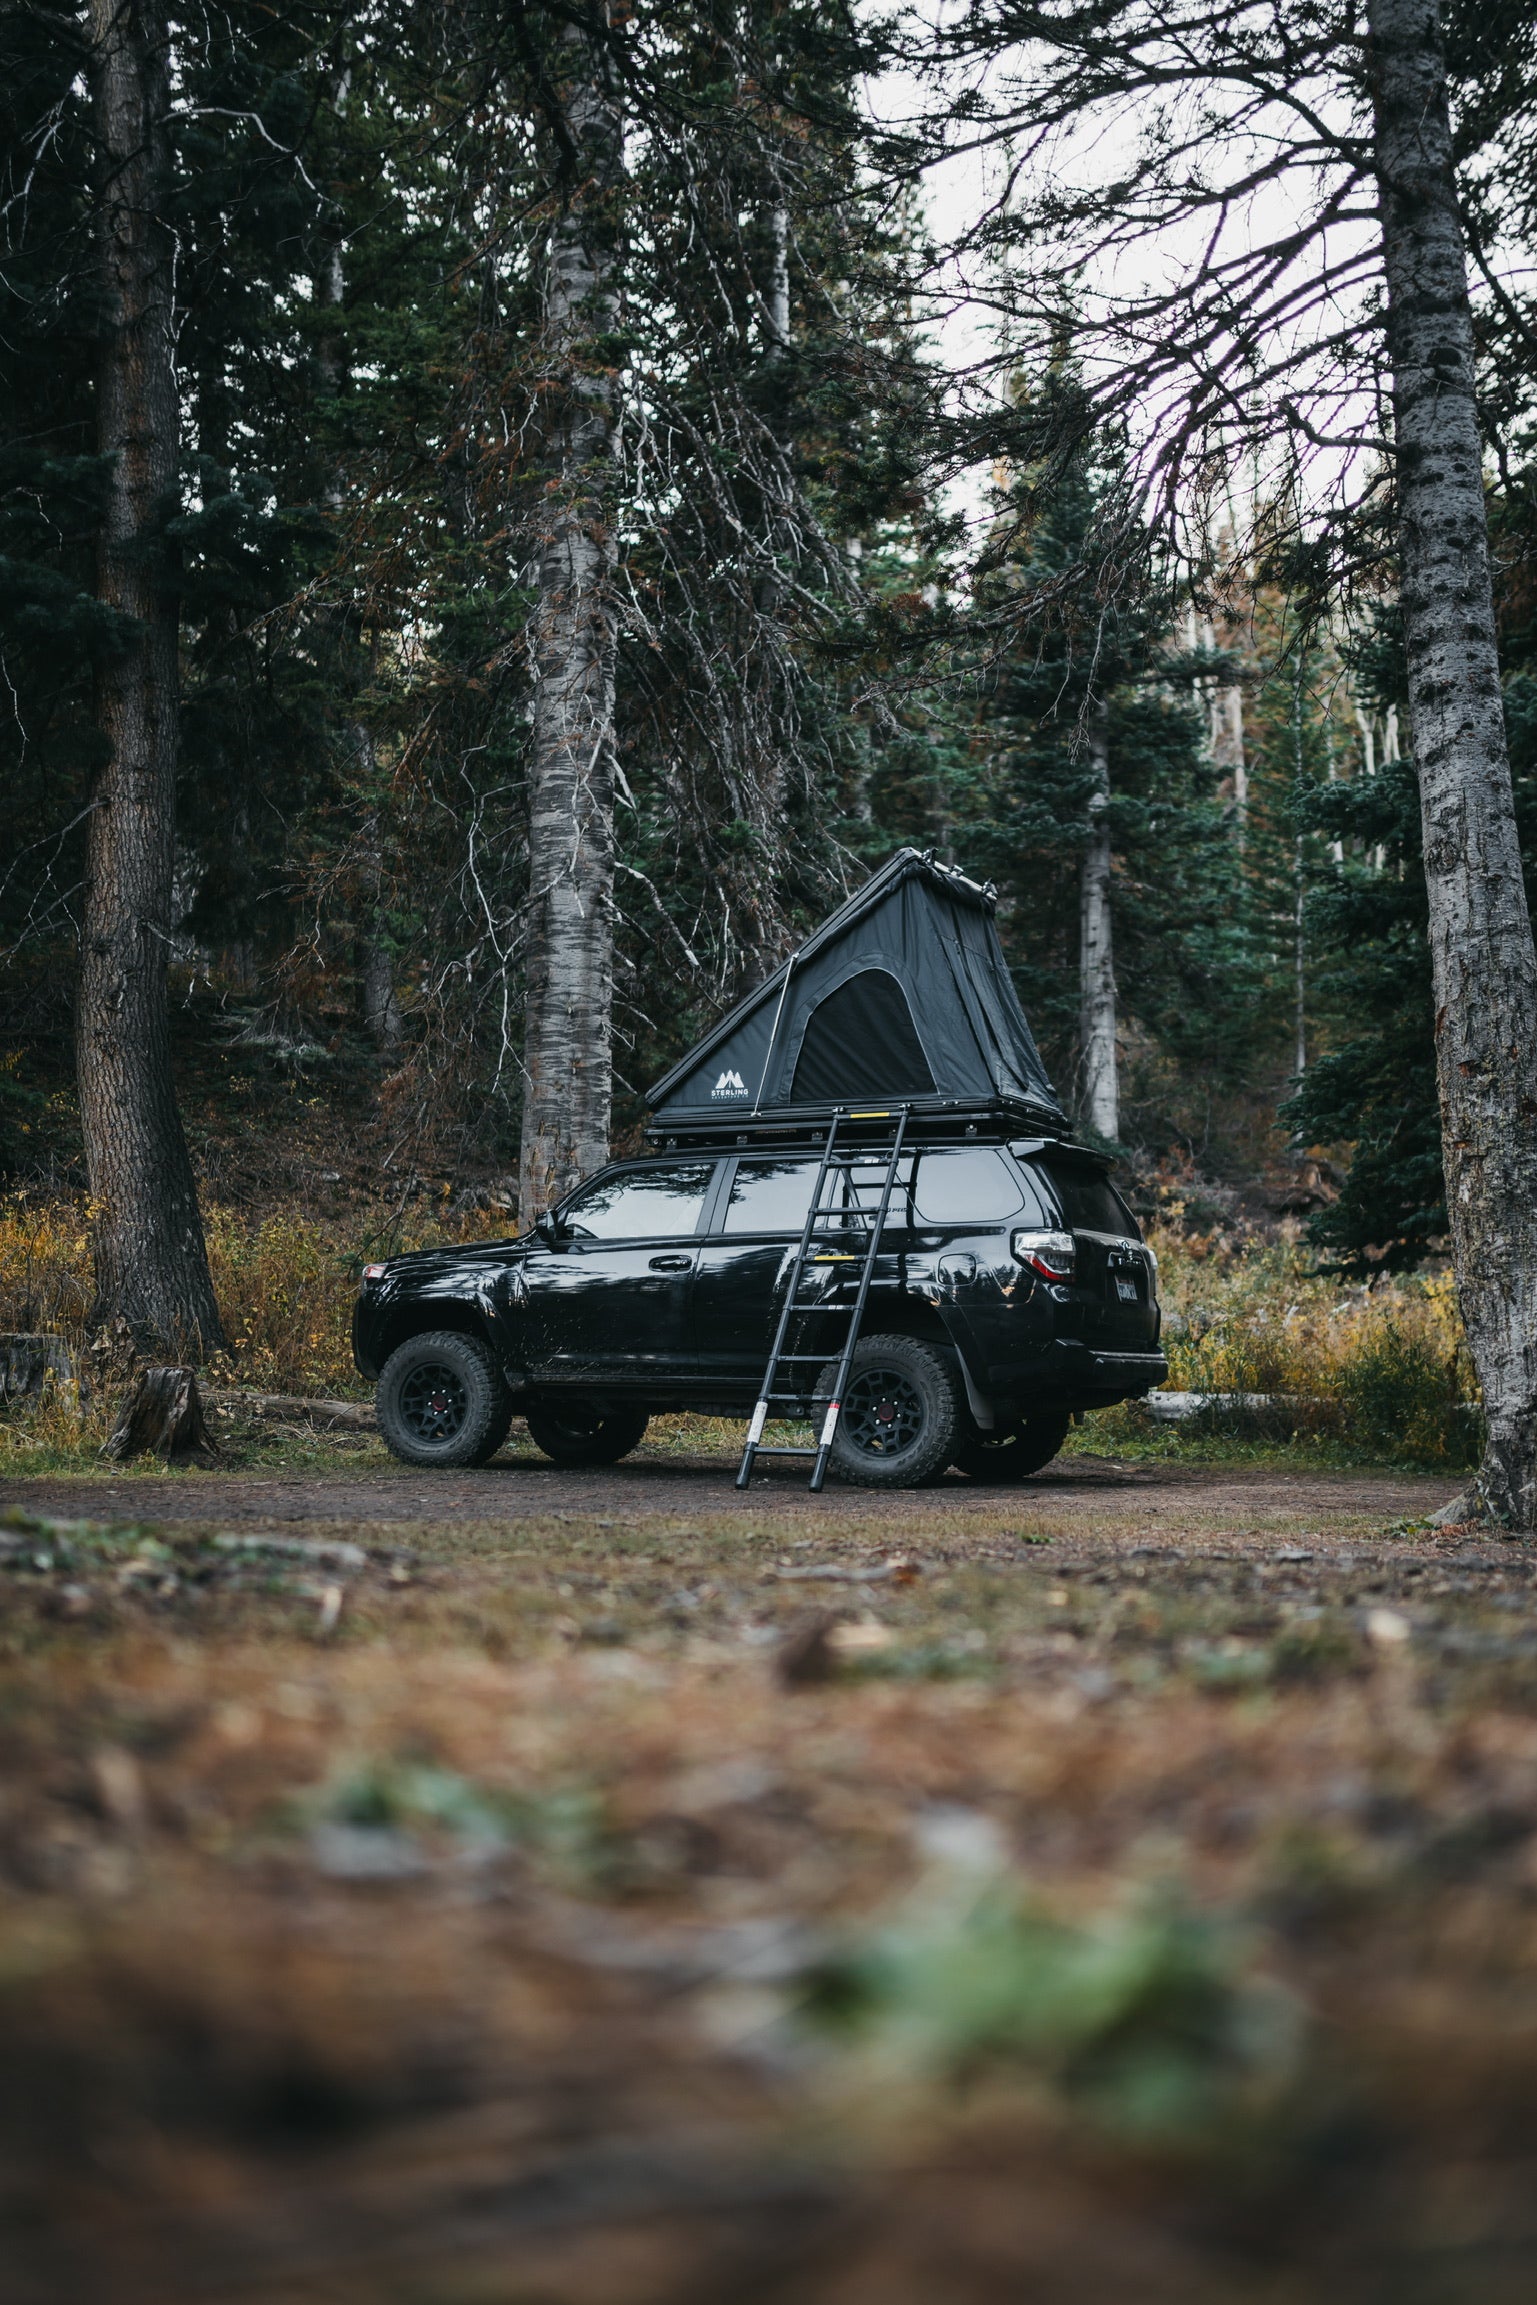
x,y
920,937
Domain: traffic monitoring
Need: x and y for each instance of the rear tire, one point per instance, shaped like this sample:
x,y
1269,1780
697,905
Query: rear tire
x,y
583,1436
441,1401
1016,1452
900,1416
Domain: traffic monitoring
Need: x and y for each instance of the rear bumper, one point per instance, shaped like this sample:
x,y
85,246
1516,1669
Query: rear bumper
x,y
1070,1373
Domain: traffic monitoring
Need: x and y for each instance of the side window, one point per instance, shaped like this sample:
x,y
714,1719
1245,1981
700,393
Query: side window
x,y
861,1186
977,1185
1091,1203
770,1196
641,1204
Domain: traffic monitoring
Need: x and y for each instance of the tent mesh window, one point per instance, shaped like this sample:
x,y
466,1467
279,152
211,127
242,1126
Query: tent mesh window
x,y
861,1041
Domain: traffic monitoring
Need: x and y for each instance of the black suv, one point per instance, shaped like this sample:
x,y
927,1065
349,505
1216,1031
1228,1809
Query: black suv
x,y
1012,1288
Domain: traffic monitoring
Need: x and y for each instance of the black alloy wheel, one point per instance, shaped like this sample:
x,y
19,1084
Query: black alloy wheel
x,y
882,1413
442,1402
578,1434
1012,1452
434,1403
900,1416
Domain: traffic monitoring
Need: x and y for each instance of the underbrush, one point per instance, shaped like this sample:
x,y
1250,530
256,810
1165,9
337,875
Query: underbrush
x,y
1381,1370
1373,1373
285,1283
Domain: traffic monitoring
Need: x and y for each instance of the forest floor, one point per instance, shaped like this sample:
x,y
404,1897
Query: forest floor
x,y
526,1888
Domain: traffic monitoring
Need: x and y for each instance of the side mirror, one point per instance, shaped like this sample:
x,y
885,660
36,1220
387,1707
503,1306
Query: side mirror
x,y
550,1229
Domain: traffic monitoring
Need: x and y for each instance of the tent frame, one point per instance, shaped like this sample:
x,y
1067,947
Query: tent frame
x,y
934,1112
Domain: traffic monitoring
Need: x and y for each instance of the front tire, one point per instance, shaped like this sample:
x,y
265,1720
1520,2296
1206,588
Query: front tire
x,y
1015,1453
580,1436
900,1415
442,1402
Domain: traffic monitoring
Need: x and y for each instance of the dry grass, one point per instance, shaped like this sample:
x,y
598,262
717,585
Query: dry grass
x,y
1384,1368
1381,1369
285,1284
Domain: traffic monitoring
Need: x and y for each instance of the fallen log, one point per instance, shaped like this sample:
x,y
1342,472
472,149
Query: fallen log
x,y
343,1416
1171,1408
163,1417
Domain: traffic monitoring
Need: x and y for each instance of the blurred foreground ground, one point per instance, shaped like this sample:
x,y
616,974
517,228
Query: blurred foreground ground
x,y
536,1889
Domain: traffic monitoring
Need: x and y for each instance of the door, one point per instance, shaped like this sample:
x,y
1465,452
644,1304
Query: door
x,y
1114,1278
744,1266
610,1305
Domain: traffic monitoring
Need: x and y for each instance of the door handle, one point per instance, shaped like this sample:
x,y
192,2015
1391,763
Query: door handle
x,y
671,1264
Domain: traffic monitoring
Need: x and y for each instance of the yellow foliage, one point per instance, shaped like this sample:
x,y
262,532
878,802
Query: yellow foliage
x,y
1384,1366
285,1283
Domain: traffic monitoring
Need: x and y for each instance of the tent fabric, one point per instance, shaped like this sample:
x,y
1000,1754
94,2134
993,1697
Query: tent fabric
x,y
903,992
861,1041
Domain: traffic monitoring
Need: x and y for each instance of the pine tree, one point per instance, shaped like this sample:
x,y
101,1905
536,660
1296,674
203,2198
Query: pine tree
x,y
1102,826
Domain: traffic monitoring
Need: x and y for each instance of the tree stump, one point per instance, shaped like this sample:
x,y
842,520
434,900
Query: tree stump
x,y
27,1362
163,1417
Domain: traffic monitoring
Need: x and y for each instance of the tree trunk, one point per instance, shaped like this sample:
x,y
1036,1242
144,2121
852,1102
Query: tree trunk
x,y
756,792
151,1261
376,981
1483,964
376,968
1100,1100
567,1052
1227,752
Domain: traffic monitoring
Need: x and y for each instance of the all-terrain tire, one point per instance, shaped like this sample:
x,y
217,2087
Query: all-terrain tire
x,y
441,1401
900,1417
1015,1452
580,1436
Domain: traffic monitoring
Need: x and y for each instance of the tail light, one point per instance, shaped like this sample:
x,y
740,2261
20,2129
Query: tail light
x,y
1051,1253
374,1272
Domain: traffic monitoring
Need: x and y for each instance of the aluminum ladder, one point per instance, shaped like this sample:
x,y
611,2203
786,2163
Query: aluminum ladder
x,y
836,1164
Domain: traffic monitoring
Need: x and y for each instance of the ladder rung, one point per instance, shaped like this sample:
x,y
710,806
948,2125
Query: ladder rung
x,y
810,1450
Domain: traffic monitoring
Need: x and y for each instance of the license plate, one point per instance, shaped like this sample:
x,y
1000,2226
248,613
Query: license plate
x,y
1126,1290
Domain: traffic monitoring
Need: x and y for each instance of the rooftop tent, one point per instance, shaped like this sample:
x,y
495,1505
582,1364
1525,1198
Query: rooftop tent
x,y
903,993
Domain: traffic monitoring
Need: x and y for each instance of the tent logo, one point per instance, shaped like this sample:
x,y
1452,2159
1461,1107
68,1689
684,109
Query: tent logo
x,y
730,1084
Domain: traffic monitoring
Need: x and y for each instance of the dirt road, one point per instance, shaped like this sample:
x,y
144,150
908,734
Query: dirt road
x,y
1083,1498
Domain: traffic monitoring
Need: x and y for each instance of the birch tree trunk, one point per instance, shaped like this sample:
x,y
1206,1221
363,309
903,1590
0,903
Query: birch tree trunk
x,y
568,1018
1101,1103
1227,752
151,1261
1483,964
758,790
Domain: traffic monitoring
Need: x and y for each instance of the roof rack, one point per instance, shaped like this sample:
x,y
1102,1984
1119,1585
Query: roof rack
x,y
931,1120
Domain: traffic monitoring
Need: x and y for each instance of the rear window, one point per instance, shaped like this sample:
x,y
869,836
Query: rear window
x,y
975,1186
1090,1202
